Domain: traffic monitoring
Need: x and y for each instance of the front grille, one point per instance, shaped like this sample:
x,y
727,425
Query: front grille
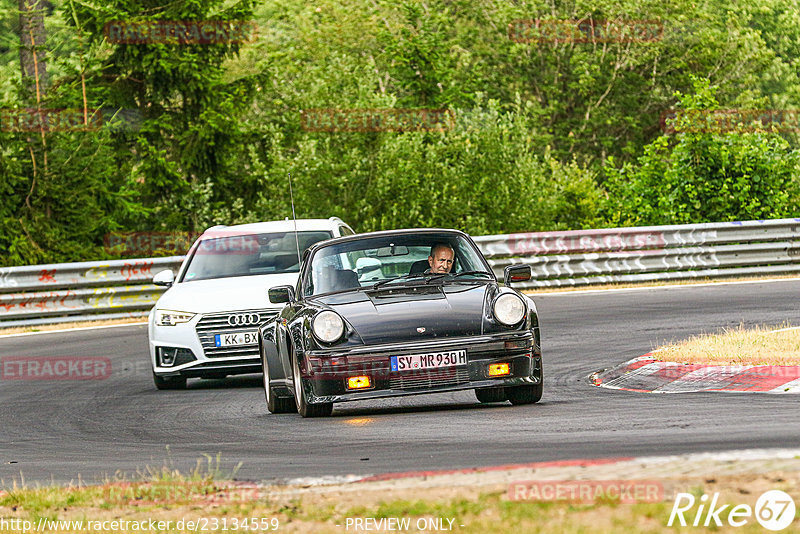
x,y
429,378
210,325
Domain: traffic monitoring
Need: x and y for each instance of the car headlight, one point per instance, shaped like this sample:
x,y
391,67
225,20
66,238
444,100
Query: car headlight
x,y
171,317
328,326
509,309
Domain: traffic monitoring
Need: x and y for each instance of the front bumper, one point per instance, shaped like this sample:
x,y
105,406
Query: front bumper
x,y
325,374
199,357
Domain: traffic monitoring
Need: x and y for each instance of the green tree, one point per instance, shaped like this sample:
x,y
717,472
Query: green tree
x,y
186,152
703,175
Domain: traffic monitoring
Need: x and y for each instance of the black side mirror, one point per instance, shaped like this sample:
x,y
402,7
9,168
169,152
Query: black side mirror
x,y
281,294
517,273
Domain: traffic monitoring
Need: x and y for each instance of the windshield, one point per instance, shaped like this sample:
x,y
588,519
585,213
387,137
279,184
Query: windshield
x,y
247,255
378,261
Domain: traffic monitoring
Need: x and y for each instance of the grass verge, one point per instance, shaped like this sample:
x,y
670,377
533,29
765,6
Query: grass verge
x,y
180,504
760,345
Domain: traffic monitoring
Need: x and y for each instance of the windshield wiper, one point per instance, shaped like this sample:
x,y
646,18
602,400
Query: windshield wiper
x,y
468,273
439,276
376,285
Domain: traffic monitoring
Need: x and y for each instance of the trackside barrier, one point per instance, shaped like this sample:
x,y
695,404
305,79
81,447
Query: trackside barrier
x,y
654,253
41,294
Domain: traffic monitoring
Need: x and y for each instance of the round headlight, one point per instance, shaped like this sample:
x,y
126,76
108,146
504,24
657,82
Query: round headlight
x,y
509,309
328,326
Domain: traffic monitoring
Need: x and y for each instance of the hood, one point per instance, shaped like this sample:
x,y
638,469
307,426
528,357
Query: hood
x,y
224,294
394,315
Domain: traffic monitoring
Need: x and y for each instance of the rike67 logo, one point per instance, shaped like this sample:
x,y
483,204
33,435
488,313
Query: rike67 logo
x,y
774,510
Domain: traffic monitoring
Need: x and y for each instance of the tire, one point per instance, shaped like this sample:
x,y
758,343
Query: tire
x,y
486,395
275,404
169,382
305,409
527,394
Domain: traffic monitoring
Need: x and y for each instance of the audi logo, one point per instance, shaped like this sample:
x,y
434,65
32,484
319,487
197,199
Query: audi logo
x,y
244,319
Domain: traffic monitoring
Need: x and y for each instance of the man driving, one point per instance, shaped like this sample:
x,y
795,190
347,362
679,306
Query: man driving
x,y
441,259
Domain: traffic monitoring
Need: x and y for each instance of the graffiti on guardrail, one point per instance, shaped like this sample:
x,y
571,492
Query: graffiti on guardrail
x,y
55,300
533,244
6,279
137,270
120,297
97,273
47,276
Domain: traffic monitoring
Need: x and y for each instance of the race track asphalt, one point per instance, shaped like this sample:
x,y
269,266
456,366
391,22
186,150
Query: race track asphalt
x,y
96,430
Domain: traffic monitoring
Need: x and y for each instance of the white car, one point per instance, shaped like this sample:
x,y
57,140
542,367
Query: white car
x,y
206,324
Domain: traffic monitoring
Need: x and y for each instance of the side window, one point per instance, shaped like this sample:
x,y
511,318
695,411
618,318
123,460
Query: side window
x,y
344,230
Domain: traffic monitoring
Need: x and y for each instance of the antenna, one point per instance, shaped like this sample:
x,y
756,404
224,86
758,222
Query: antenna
x,y
296,239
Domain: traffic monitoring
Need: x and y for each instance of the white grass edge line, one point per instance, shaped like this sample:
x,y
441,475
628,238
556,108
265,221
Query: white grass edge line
x,y
650,288
61,331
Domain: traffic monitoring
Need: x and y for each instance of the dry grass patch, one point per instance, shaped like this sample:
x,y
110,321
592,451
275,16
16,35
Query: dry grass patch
x,y
761,345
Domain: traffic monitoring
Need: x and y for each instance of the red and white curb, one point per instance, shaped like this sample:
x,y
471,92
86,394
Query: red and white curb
x,y
649,375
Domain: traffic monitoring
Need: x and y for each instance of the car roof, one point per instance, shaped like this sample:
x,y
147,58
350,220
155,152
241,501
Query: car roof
x,y
286,225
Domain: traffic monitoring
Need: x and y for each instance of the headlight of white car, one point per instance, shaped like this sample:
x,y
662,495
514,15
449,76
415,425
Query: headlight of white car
x,y
171,317
509,309
328,326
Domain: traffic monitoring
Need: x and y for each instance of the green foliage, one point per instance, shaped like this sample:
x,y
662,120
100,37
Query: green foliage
x,y
483,176
705,176
548,134
185,151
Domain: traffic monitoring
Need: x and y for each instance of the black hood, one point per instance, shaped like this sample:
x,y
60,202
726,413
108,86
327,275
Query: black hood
x,y
397,314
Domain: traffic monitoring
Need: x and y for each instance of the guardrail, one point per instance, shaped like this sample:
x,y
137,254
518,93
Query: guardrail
x,y
653,253
41,294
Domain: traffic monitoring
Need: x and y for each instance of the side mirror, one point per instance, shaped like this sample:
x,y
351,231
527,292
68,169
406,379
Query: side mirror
x,y
517,273
281,294
164,278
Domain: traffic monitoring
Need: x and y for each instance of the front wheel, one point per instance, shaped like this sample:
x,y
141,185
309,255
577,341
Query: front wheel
x,y
169,382
303,407
527,394
275,404
486,395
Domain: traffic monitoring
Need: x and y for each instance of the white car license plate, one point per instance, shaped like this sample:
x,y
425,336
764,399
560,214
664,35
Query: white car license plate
x,y
232,340
430,360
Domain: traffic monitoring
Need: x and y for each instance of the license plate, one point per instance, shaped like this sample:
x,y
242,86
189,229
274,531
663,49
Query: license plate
x,y
232,340
430,360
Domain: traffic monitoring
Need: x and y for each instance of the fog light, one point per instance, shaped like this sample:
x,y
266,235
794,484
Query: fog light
x,y
358,382
174,356
499,369
168,356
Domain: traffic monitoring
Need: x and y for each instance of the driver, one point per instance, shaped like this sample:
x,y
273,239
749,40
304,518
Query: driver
x,y
441,259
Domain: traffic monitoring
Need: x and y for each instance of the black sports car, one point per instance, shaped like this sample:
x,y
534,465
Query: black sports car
x,y
400,312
